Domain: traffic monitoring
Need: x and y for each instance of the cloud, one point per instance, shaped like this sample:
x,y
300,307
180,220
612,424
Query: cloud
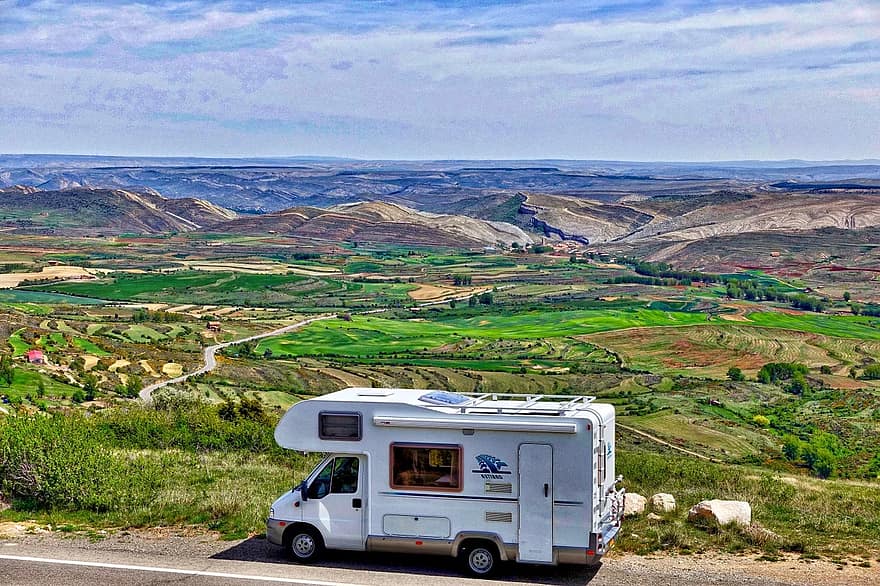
x,y
453,78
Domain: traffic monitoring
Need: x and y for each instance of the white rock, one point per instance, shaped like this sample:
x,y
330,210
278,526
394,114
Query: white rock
x,y
654,517
722,512
663,503
634,504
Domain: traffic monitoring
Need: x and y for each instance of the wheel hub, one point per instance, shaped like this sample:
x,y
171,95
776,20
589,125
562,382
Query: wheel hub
x,y
303,545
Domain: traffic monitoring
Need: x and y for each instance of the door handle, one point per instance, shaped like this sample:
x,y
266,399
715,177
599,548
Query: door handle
x,y
546,490
356,503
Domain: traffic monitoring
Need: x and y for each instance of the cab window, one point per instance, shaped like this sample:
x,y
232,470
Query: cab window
x,y
338,476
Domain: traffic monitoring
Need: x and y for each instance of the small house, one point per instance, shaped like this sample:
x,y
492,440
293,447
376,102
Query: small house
x,y
213,326
35,357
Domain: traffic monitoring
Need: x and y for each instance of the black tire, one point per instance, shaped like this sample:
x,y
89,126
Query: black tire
x,y
479,559
305,544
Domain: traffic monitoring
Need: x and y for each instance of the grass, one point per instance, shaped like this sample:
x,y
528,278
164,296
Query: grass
x,y
19,346
842,326
18,297
143,334
812,517
89,347
25,382
686,431
229,489
709,350
372,335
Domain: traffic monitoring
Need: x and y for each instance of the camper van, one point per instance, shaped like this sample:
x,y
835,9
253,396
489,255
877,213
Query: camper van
x,y
484,478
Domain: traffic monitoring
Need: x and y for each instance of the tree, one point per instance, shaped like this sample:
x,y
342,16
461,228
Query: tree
x,y
41,388
846,296
252,409
472,301
7,371
452,304
486,298
798,385
133,386
791,448
734,373
855,308
90,386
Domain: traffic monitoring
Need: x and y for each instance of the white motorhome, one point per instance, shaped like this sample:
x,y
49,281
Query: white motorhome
x,y
484,478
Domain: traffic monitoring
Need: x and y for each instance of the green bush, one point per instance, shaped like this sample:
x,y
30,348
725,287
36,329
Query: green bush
x,y
872,372
60,462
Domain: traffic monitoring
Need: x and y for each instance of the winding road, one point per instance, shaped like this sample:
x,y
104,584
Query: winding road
x,y
210,355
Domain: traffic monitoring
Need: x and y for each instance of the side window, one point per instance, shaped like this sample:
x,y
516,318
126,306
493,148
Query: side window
x,y
339,426
426,467
345,476
320,486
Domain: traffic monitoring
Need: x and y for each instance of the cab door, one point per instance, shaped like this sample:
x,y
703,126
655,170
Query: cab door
x,y
335,503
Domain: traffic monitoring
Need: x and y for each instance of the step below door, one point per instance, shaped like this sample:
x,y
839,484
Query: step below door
x,y
535,503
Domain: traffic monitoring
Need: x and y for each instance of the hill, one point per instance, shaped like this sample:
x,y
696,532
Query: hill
x,y
375,221
697,217
82,209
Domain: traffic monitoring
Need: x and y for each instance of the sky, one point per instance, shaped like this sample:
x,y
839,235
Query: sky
x,y
680,80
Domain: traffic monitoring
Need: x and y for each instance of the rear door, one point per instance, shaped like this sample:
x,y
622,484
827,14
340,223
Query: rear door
x,y
535,503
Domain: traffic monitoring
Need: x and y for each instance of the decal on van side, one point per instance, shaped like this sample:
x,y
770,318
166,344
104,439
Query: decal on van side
x,y
491,467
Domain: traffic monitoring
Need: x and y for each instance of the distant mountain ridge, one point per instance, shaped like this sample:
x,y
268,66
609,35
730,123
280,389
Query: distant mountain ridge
x,y
266,185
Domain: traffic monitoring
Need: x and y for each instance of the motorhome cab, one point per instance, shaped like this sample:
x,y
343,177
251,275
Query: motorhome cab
x,y
484,478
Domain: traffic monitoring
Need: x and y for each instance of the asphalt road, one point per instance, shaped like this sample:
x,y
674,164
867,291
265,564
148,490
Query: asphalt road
x,y
42,560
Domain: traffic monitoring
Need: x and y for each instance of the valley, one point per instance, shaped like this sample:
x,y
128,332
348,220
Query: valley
x,y
671,304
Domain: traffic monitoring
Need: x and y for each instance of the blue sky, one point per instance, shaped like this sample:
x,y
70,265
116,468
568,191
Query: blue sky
x,y
676,80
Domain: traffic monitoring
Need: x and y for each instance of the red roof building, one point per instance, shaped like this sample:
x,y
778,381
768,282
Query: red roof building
x,y
35,357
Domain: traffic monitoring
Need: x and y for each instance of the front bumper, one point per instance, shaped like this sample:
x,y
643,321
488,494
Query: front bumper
x,y
275,530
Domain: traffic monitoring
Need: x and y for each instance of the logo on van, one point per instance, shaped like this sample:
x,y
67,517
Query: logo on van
x,y
490,466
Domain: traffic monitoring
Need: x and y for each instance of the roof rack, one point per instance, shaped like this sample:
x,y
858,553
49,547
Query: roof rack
x,y
512,403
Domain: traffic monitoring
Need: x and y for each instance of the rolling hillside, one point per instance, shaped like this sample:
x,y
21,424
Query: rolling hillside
x,y
106,210
379,222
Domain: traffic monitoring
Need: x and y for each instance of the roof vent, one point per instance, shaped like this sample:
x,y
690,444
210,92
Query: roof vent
x,y
444,398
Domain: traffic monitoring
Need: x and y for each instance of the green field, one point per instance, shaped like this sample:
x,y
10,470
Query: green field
x,y
841,326
373,335
224,288
19,346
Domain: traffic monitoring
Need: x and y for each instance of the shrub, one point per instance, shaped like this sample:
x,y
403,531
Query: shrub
x,y
60,462
735,374
872,371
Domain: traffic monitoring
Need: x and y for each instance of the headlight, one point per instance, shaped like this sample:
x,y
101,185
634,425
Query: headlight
x,y
272,512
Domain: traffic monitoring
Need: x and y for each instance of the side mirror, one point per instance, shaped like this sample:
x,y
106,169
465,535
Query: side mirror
x,y
303,491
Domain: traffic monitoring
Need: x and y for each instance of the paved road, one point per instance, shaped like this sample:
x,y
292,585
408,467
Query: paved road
x,y
209,356
128,559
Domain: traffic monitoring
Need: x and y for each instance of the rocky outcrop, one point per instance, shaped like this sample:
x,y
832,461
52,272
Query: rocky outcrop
x,y
663,503
634,504
721,512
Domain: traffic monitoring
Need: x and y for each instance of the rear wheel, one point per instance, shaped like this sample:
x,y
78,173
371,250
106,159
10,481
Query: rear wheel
x,y
479,559
305,545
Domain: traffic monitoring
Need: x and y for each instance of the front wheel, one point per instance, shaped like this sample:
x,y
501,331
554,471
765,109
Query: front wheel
x,y
480,559
305,546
